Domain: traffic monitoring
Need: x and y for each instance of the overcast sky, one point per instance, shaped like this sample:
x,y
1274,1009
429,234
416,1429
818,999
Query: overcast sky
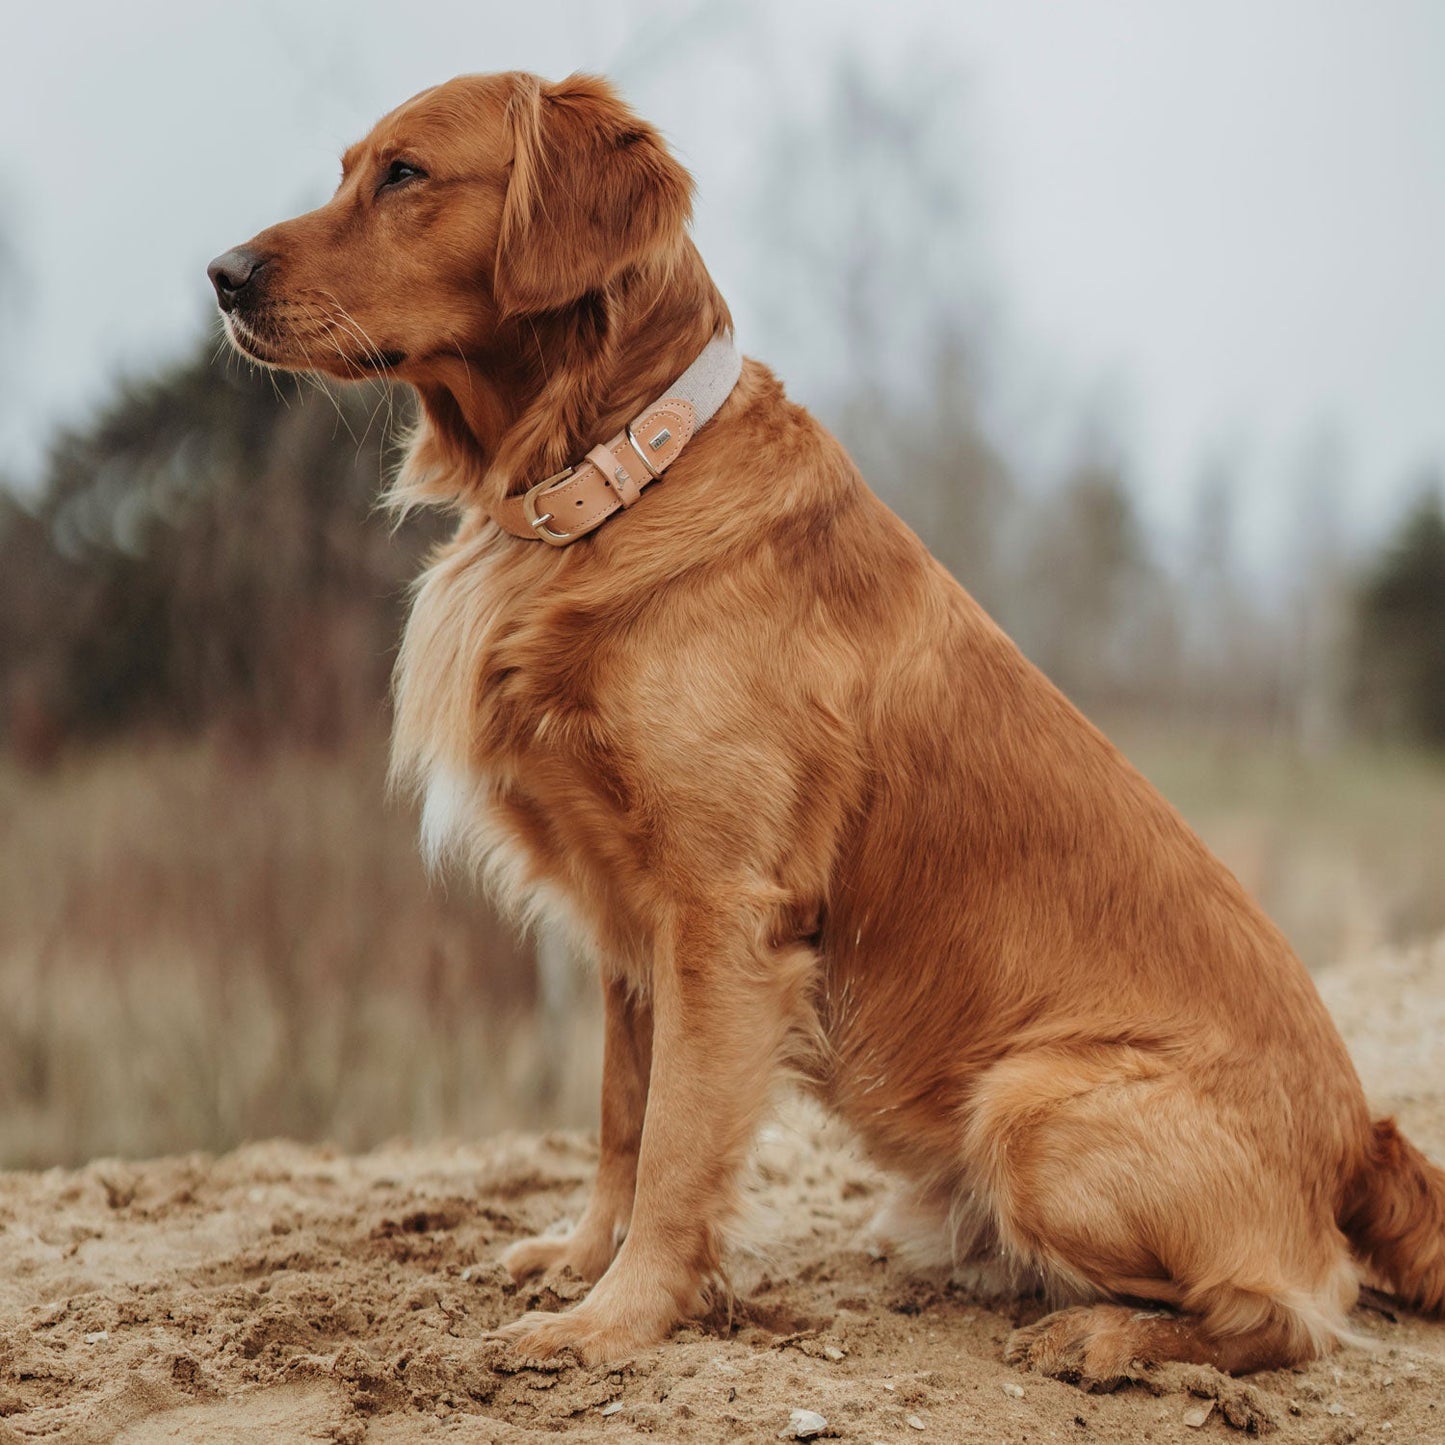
x,y
1220,222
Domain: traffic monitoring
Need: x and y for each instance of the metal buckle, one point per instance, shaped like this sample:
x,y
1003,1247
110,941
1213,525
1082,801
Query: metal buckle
x,y
642,455
539,524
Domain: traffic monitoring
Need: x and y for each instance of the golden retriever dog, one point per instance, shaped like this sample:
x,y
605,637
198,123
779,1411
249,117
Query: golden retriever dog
x,y
810,811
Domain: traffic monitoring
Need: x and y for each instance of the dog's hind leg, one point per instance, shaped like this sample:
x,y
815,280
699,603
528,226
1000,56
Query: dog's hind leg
x,y
1120,1181
626,1063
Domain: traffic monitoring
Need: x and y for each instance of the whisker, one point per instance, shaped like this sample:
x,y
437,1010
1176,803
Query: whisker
x,y
357,330
313,374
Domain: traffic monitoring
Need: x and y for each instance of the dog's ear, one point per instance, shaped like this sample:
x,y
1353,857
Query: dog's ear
x,y
593,190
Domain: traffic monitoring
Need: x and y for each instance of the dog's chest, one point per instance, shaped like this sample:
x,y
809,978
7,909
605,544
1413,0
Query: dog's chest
x,y
481,732
463,824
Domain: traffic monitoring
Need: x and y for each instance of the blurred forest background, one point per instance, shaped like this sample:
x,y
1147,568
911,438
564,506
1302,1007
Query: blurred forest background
x,y
214,926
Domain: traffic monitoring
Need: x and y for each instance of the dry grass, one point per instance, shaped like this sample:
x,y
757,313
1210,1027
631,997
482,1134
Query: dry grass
x,y
1343,848
197,948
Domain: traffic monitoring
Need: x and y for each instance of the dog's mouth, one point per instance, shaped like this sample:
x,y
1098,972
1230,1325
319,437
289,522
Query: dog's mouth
x,y
251,345
381,361
322,352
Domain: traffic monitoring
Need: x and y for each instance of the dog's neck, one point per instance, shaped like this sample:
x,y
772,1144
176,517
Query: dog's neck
x,y
550,387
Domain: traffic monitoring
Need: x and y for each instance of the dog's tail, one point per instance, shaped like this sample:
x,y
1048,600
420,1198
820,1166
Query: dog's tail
x,y
1396,1218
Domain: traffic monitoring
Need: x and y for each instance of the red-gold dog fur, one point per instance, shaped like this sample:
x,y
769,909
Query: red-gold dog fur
x,y
807,807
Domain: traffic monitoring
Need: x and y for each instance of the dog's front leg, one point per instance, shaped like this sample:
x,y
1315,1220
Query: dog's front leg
x,y
626,1064
724,1006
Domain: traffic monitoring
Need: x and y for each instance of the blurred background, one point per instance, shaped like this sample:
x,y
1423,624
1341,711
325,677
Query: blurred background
x,y
1134,311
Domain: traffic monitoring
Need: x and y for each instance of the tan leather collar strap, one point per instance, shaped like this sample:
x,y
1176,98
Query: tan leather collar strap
x,y
564,507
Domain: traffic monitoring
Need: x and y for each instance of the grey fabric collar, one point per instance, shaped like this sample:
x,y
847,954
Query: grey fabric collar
x,y
563,508
709,381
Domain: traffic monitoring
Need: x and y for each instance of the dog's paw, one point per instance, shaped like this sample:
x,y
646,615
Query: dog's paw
x,y
1092,1346
593,1337
586,1254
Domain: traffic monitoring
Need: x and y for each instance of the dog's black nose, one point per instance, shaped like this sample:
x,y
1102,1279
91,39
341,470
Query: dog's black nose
x,y
232,273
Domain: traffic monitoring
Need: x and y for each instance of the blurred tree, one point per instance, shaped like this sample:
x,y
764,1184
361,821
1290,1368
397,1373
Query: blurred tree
x,y
1229,663
872,272
1399,663
867,238
11,293
944,476
201,555
1098,613
1315,624
1211,629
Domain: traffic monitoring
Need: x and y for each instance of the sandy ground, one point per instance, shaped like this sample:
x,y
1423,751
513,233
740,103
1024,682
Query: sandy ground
x,y
286,1293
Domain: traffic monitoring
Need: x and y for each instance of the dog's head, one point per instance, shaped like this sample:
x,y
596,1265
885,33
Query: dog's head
x,y
478,203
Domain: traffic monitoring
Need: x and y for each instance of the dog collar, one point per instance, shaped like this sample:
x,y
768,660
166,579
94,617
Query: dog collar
x,y
578,499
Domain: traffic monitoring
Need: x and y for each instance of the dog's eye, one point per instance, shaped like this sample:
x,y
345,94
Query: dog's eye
x,y
399,172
